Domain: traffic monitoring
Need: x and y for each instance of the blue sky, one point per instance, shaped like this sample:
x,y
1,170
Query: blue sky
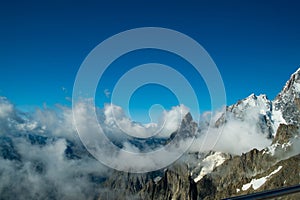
x,y
255,45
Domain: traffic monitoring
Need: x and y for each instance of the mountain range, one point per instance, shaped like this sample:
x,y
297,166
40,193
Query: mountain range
x,y
41,156
216,175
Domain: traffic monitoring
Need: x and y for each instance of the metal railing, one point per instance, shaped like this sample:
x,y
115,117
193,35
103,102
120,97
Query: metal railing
x,y
269,193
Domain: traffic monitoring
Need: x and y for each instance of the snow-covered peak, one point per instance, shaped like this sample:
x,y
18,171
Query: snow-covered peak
x,y
258,110
285,109
260,103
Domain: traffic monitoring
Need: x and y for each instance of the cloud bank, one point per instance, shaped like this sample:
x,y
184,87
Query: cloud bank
x,y
42,157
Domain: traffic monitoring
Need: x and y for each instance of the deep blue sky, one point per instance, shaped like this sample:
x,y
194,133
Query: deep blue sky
x,y
255,44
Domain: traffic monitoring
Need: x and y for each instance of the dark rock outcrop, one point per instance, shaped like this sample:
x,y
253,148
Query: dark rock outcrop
x,y
285,133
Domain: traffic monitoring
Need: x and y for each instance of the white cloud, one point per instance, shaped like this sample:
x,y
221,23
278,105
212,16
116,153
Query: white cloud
x,y
34,163
169,122
236,136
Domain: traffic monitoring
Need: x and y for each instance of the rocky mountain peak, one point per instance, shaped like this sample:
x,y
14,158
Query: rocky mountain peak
x,y
187,118
253,109
285,109
292,85
250,102
288,100
188,128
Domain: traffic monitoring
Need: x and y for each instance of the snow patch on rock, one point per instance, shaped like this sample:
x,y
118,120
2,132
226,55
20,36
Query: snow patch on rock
x,y
209,164
257,183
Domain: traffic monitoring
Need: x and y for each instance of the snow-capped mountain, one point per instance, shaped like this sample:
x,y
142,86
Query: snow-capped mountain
x,y
42,157
215,175
258,109
269,114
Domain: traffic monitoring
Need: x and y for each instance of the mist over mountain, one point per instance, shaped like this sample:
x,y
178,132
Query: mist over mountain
x,y
250,146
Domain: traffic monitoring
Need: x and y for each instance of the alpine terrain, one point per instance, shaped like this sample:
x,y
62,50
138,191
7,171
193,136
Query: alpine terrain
x,y
258,149
216,175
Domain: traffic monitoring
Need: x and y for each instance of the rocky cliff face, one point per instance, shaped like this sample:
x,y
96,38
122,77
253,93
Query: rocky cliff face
x,y
287,101
285,134
171,185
